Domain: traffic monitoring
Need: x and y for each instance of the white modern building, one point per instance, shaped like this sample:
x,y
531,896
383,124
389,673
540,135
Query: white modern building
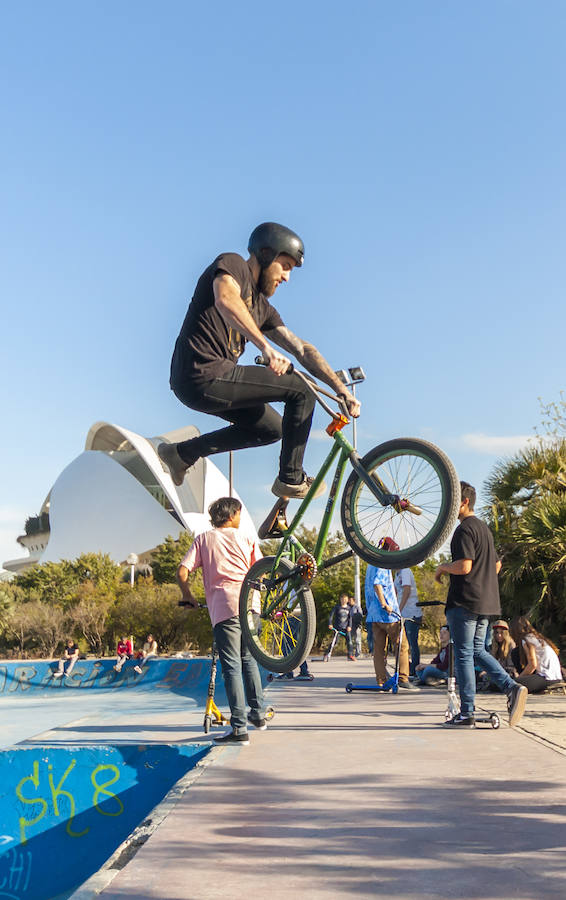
x,y
115,498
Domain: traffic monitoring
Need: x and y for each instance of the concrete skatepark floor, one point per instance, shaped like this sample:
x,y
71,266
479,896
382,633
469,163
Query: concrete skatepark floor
x,y
344,794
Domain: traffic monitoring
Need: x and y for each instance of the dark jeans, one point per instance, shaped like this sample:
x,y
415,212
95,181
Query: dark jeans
x,y
534,683
467,630
242,397
241,674
412,628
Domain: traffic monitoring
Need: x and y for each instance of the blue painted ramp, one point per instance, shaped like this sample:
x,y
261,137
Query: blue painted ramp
x,y
63,811
33,702
183,676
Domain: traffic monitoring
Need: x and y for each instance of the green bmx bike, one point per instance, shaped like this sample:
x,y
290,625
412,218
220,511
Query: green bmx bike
x,y
406,489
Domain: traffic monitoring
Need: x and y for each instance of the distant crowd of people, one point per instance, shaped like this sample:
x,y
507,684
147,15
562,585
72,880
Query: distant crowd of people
x,y
124,652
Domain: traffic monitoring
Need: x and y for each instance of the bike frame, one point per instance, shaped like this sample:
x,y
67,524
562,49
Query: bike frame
x,y
342,451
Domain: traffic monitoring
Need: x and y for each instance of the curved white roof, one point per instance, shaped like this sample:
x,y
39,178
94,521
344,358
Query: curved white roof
x,y
116,498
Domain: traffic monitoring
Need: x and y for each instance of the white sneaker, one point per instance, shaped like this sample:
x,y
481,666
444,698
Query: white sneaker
x,y
137,669
58,674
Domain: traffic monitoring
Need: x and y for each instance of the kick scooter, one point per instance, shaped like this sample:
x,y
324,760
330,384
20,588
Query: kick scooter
x,y
212,715
327,655
453,704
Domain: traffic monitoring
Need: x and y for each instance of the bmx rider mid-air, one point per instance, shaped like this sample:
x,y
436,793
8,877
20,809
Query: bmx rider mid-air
x,y
230,306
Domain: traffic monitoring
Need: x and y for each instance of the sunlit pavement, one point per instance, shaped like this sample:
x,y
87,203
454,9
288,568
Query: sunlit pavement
x,y
367,795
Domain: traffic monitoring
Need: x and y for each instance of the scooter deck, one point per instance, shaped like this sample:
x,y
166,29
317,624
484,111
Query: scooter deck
x,y
392,684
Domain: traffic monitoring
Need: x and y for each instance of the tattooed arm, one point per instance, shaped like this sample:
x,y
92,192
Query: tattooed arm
x,y
314,362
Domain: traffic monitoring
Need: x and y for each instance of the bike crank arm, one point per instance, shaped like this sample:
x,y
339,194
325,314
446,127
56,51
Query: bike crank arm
x,y
379,490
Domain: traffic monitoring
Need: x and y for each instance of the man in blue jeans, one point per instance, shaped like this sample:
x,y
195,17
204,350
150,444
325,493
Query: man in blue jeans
x,y
225,554
472,597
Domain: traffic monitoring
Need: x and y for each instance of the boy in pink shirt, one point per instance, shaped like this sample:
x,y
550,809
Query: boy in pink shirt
x,y
225,554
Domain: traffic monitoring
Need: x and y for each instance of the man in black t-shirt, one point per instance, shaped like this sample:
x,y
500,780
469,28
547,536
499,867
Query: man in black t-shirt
x,y
70,656
230,306
472,597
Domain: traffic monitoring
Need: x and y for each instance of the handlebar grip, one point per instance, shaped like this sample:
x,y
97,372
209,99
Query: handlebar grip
x,y
262,361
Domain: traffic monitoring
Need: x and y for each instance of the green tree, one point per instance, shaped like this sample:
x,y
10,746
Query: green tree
x,y
527,512
89,614
166,558
57,583
149,607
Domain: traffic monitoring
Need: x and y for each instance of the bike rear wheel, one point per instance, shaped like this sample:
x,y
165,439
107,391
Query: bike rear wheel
x,y
279,640
418,472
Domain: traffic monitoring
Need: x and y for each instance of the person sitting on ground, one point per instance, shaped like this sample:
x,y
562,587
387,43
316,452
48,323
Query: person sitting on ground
x,y
502,646
385,617
538,656
357,617
124,651
436,672
225,554
69,658
340,620
149,649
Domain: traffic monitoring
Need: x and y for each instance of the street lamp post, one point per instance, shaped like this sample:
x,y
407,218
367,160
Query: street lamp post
x,y
132,561
352,377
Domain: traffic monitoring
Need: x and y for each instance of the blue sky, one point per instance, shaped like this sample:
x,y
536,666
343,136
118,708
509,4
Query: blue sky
x,y
418,148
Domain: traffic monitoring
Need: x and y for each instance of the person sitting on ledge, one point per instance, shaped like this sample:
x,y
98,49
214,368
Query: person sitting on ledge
x,y
149,649
124,651
69,658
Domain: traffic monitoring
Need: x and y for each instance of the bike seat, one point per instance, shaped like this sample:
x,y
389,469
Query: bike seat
x,y
275,523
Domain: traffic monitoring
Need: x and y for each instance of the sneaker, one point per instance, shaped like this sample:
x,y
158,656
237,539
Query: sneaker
x,y
137,669
460,720
171,462
307,677
352,658
325,658
260,724
516,702
434,682
58,674
406,686
230,737
296,491
116,669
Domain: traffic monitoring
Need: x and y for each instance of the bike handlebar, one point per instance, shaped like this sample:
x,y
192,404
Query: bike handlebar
x,y
313,387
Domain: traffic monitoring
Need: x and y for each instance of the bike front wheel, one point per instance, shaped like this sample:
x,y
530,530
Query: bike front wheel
x,y
278,622
426,483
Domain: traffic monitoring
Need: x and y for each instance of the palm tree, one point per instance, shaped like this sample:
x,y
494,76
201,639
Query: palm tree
x,y
527,513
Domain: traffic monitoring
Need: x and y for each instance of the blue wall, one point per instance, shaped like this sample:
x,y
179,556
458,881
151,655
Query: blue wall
x,y
63,811
184,676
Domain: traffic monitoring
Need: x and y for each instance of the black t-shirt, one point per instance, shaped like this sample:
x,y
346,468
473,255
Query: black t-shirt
x,y
207,347
72,649
477,592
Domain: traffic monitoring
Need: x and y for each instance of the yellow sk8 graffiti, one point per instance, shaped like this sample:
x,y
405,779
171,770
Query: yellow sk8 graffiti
x,y
99,782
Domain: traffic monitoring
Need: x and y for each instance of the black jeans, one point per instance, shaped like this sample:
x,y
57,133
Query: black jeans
x,y
242,397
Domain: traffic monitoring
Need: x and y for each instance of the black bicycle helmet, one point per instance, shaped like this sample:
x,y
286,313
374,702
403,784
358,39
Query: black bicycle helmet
x,y
267,241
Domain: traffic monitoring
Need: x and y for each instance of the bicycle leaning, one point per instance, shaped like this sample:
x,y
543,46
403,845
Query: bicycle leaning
x,y
405,488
